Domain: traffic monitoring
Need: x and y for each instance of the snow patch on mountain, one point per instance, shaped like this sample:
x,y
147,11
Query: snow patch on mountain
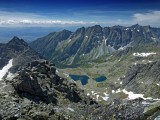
x,y
10,76
66,74
98,96
132,96
71,109
124,47
113,91
154,39
69,40
127,29
106,97
143,54
86,36
5,69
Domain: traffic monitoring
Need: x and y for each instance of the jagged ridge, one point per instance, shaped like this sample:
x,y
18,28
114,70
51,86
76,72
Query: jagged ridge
x,y
18,50
93,42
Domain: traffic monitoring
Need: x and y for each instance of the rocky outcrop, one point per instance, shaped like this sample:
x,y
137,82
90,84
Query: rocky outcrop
x,y
143,79
39,79
152,111
137,109
37,92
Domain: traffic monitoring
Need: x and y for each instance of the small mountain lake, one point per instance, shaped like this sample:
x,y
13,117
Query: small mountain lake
x,y
100,78
84,78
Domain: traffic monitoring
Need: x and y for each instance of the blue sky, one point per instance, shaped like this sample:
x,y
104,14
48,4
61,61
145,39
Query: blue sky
x,y
72,13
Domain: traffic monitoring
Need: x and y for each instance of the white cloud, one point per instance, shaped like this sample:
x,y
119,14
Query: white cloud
x,y
25,19
150,18
31,19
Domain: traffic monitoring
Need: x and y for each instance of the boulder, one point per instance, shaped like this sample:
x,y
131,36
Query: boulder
x,y
35,80
39,79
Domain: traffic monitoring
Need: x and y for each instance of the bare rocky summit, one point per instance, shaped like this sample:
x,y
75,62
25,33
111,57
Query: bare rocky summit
x,y
38,93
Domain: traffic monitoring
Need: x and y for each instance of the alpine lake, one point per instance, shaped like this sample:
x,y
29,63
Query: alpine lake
x,y
84,78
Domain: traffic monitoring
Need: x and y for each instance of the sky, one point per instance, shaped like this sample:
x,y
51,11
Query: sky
x,y
75,13
31,19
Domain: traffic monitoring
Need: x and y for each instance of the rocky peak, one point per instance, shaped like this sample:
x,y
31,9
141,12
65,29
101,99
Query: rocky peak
x,y
118,26
18,50
95,29
136,26
39,79
17,44
80,30
17,41
66,31
64,34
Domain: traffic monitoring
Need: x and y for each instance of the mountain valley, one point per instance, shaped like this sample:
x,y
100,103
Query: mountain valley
x,y
108,51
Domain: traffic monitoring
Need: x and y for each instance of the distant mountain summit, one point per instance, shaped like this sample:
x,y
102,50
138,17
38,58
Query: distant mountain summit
x,y
18,50
48,43
93,42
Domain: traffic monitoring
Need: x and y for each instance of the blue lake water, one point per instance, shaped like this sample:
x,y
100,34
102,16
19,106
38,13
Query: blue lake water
x,y
100,78
82,78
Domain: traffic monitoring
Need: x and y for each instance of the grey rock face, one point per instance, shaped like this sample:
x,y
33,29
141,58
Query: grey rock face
x,y
143,79
49,42
39,79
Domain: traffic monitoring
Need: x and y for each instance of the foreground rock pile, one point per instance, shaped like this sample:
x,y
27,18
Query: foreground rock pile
x,y
39,79
137,109
38,93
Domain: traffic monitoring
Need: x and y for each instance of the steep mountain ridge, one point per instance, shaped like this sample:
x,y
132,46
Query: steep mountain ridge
x,y
143,79
18,50
48,42
93,42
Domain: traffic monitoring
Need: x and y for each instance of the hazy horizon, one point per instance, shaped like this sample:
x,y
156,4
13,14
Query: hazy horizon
x,y
32,33
32,19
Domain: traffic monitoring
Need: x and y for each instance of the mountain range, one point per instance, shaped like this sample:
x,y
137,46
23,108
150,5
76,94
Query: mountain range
x,y
86,44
